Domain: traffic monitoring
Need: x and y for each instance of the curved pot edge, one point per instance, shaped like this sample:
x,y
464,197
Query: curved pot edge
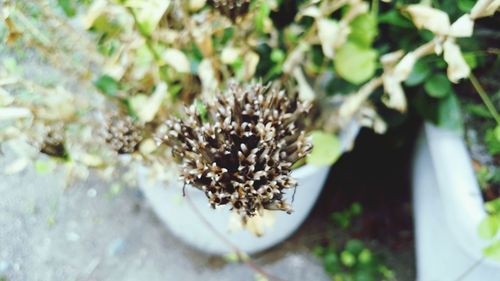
x,y
456,180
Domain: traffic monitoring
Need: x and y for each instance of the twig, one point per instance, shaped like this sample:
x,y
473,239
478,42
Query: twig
x,y
482,93
470,269
241,255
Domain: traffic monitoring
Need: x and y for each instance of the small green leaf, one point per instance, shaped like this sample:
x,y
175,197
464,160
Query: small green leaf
x,y
492,140
420,72
488,227
347,258
326,149
202,110
493,206
277,55
466,5
354,246
262,15
470,59
354,63
493,251
438,86
365,256
363,30
107,85
449,113
356,208
68,7
331,261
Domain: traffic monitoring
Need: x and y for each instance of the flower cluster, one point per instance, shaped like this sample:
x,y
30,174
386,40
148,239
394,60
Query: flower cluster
x,y
240,150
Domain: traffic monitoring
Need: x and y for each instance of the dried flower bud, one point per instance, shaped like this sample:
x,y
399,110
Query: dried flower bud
x,y
241,149
123,135
231,8
53,143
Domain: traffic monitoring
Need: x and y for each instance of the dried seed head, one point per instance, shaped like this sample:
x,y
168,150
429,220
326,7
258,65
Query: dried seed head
x,y
53,143
231,8
241,152
122,134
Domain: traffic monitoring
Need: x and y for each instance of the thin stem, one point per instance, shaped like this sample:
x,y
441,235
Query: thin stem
x,y
469,269
484,96
241,255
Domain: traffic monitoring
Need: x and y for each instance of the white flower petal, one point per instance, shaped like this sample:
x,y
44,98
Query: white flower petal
x,y
429,18
457,67
176,59
329,36
395,96
229,55
462,27
306,93
405,66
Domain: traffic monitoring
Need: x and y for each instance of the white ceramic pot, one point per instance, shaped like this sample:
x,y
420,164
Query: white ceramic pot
x,y
184,222
448,208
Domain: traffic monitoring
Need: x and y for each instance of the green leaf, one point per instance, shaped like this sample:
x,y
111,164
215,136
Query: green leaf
x,y
261,16
493,251
107,85
365,256
356,208
202,109
354,246
363,30
466,5
347,258
420,72
492,140
331,261
488,227
493,206
449,114
438,86
394,17
68,7
354,63
326,149
470,59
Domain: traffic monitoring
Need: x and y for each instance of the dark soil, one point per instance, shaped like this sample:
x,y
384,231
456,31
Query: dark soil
x,y
377,175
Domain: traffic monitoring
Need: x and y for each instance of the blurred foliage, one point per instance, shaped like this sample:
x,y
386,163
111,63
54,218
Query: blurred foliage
x,y
351,260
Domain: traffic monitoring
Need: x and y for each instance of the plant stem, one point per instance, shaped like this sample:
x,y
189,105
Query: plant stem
x,y
484,96
241,255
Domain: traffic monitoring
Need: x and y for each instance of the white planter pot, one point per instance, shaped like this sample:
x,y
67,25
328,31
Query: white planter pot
x,y
184,222
448,208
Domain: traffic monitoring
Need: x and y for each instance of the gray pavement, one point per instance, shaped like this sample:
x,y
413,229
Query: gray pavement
x,y
50,233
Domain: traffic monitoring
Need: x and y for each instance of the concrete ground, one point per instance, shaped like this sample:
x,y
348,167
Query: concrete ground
x,y
81,233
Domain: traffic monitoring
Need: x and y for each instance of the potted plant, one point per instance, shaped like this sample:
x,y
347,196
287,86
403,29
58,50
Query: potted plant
x,y
151,58
456,219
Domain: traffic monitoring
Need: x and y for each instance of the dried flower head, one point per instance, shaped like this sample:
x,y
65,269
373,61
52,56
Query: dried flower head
x,y
231,8
53,143
122,134
240,150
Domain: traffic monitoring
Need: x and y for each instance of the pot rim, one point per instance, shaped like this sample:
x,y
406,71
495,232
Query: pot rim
x,y
458,187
